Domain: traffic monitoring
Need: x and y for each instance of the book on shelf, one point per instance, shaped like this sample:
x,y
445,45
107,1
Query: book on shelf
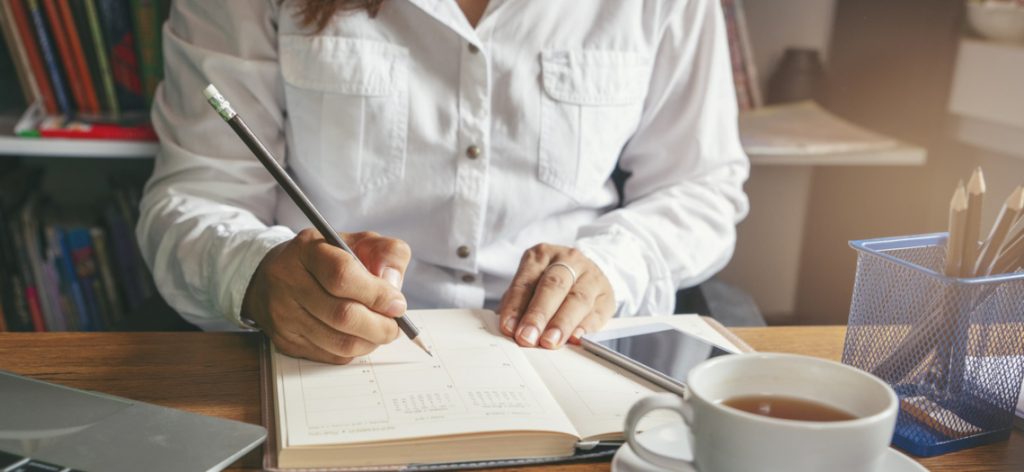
x,y
12,52
90,67
48,53
29,62
147,17
115,17
15,186
35,123
479,398
64,273
744,71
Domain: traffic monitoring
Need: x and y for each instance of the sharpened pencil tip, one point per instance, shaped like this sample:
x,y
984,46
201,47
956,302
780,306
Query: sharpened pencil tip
x,y
1016,199
419,342
959,202
976,185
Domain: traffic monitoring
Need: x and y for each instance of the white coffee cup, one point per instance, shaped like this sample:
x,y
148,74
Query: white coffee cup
x,y
725,439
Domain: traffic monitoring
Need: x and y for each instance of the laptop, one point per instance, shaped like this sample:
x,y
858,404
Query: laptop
x,y
51,428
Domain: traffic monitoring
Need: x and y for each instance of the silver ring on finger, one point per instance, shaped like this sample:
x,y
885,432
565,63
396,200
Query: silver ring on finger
x,y
572,272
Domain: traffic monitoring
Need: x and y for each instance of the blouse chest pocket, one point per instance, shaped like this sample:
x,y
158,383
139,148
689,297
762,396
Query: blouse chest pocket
x,y
590,107
348,111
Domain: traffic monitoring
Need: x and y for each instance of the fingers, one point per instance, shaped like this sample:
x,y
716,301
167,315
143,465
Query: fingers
x,y
346,316
578,303
342,276
342,344
298,346
554,284
593,322
547,306
520,291
384,257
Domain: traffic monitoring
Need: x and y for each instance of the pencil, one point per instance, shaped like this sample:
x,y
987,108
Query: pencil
x,y
957,221
1010,259
1011,209
972,231
1015,233
223,108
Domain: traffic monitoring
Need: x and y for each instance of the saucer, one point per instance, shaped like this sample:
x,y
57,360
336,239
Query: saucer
x,y
672,440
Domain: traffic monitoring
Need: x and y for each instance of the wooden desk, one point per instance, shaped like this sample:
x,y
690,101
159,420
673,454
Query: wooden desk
x,y
217,374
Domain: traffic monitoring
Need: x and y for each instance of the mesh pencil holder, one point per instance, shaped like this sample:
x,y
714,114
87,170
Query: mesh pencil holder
x,y
951,348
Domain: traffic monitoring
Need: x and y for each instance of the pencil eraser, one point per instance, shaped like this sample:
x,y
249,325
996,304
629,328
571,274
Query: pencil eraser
x,y
218,102
211,91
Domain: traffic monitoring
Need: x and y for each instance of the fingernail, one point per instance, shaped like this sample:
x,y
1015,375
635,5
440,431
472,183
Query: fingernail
x,y
552,337
529,335
396,308
510,325
577,334
393,277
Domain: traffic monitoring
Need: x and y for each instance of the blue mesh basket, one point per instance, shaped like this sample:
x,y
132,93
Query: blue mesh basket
x,y
952,348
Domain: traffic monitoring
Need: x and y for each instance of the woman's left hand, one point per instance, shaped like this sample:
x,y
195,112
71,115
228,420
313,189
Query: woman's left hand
x,y
557,295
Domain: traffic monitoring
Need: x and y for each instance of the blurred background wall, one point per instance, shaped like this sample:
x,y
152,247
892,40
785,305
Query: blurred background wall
x,y
890,67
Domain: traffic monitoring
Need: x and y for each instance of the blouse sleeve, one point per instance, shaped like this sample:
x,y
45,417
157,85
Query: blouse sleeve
x,y
205,216
677,226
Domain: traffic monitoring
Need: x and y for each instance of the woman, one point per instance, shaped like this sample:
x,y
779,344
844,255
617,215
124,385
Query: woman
x,y
479,136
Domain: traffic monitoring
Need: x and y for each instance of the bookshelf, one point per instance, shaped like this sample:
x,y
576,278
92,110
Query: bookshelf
x,y
12,145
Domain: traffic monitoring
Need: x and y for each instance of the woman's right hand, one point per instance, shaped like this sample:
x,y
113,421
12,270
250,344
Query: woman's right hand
x,y
317,302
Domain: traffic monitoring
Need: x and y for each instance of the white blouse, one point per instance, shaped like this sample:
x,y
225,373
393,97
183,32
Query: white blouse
x,y
470,144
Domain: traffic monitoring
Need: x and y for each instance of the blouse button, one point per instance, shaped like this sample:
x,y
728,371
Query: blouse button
x,y
473,152
472,48
462,251
468,279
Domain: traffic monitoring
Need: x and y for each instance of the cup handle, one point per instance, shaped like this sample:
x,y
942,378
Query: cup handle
x,y
663,401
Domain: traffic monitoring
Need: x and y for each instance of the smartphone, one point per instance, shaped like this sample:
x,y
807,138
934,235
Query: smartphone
x,y
656,352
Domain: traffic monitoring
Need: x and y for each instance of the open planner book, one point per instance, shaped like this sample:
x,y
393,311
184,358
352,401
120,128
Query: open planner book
x,y
481,397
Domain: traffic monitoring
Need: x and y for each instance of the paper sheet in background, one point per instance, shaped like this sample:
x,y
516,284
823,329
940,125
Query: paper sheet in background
x,y
804,128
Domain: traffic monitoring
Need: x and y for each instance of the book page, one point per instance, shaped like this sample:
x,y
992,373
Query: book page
x,y
596,394
476,382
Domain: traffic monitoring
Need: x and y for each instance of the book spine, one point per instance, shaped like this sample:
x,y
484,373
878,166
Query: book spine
x,y
21,259
739,74
17,51
64,317
24,317
80,16
70,280
3,321
128,201
63,49
99,240
56,282
122,250
34,254
78,57
49,56
19,318
749,66
116,23
80,244
32,299
28,40
146,14
100,131
105,74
